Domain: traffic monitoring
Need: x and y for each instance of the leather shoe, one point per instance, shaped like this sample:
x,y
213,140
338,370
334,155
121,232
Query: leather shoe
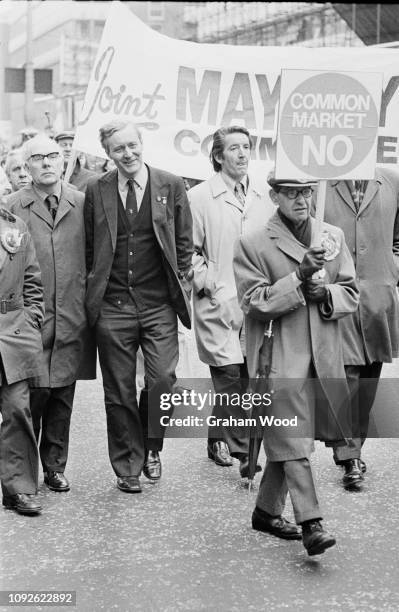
x,y
23,503
315,539
363,466
129,484
56,481
220,454
244,467
152,468
276,525
353,477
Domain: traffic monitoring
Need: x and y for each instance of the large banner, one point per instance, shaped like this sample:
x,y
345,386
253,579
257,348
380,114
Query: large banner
x,y
180,92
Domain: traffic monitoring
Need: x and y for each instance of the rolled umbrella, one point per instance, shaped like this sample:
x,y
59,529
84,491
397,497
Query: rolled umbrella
x,y
262,377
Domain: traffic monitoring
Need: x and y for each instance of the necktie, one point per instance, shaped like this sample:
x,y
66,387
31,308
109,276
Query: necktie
x,y
131,201
52,204
358,190
239,193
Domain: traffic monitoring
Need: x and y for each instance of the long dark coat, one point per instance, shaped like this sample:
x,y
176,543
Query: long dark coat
x,y
172,224
20,339
60,246
372,235
307,343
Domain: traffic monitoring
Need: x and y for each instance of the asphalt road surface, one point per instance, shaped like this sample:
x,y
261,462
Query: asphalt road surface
x,y
186,543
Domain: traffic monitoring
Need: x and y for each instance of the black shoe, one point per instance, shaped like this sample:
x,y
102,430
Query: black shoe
x,y
244,466
353,477
56,481
129,484
363,466
315,539
152,467
276,525
23,503
220,454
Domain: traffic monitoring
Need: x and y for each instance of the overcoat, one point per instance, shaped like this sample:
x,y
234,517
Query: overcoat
x,y
218,220
306,341
372,235
21,304
172,224
60,246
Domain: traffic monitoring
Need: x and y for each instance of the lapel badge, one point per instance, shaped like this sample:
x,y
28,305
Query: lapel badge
x,y
11,240
158,198
164,199
330,243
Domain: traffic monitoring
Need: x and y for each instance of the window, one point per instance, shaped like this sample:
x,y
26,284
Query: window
x,y
156,11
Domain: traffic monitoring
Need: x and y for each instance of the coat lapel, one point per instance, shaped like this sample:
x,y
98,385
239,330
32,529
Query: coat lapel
x,y
343,190
39,208
286,242
370,193
108,186
219,188
64,207
159,190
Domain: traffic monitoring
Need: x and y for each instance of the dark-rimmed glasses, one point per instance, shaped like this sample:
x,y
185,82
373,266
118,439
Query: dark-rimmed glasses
x,y
293,193
38,157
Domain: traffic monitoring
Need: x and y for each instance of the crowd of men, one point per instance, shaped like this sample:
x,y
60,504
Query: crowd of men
x,y
111,261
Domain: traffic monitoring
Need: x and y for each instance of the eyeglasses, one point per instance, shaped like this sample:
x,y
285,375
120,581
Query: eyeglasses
x,y
293,193
38,157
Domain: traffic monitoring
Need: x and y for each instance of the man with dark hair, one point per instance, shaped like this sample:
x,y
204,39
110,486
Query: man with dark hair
x,y
138,251
368,214
224,207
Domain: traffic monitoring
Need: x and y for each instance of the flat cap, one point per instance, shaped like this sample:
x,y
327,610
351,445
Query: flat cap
x,y
64,134
273,182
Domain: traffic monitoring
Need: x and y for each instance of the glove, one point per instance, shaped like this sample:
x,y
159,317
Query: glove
x,y
316,291
312,261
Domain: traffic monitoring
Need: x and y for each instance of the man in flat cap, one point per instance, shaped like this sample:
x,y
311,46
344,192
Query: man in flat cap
x,y
274,268
80,175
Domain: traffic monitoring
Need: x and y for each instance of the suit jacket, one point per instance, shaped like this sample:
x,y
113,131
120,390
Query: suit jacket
x,y
20,340
172,224
60,247
372,236
306,335
219,219
80,177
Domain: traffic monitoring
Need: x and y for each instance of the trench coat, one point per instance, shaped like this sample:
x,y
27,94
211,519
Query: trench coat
x,y
218,220
69,349
307,342
172,225
20,340
372,235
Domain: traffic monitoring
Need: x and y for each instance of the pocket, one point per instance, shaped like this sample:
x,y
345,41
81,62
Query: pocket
x,y
210,279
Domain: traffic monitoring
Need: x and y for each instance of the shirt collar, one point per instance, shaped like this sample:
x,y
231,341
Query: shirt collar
x,y
43,195
140,179
231,183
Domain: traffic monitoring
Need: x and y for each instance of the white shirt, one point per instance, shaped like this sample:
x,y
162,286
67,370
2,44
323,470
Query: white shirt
x,y
139,182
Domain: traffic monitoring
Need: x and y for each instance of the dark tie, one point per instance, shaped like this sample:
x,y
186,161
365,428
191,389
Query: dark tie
x,y
131,201
239,193
52,204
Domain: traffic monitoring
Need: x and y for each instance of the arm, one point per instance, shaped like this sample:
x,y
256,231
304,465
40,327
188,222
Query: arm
x,y
259,297
88,213
183,229
33,290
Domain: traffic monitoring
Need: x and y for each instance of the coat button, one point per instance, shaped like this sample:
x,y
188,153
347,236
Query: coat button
x,y
17,331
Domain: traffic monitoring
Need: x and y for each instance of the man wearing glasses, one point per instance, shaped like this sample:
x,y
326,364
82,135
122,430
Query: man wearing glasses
x,y
54,215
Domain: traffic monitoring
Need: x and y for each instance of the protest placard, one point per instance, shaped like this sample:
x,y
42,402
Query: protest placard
x,y
328,124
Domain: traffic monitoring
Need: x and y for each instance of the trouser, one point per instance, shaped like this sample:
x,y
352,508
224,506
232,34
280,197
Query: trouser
x,y
230,379
293,477
19,457
51,410
120,330
363,382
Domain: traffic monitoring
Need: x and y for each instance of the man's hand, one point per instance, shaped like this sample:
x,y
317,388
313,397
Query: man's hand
x,y
315,290
312,261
